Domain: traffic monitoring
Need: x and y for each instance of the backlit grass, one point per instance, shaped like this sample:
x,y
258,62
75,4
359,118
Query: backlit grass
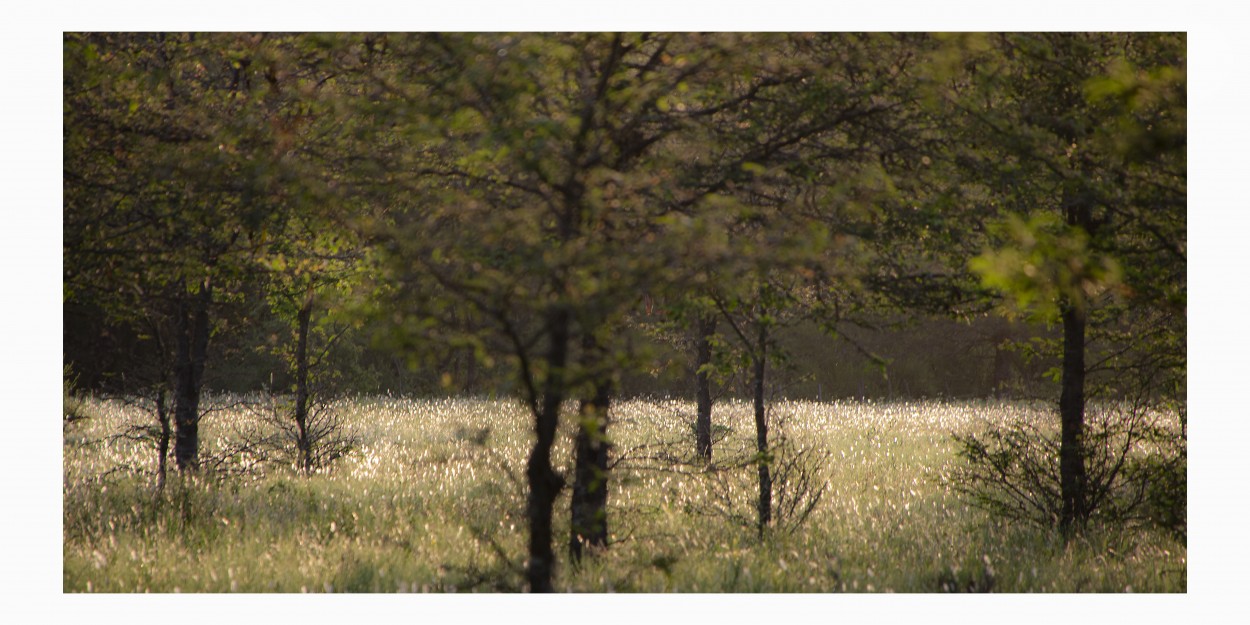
x,y
433,500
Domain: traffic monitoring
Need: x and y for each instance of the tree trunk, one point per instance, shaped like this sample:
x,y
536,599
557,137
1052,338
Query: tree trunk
x,y
544,483
302,442
1003,372
189,376
1072,478
764,507
703,388
588,525
162,443
1072,310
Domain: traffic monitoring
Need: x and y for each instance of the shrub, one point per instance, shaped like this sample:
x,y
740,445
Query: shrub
x,y
1135,469
273,436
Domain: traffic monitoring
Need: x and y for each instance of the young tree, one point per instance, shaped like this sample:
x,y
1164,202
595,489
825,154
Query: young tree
x,y
705,331
805,161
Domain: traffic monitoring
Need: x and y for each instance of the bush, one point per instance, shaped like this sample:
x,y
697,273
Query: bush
x,y
273,437
1135,469
798,485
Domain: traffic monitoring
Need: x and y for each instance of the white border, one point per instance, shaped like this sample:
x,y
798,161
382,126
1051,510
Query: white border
x,y
30,524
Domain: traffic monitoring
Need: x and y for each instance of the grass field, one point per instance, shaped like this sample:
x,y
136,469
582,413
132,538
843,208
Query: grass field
x,y
432,500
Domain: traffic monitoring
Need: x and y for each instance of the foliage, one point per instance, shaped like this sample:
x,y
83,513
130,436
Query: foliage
x,y
1108,142
1043,263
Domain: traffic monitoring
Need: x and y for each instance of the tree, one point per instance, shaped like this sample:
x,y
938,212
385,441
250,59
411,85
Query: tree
x,y
588,505
314,257
803,161
163,212
529,202
311,268
1081,138
704,332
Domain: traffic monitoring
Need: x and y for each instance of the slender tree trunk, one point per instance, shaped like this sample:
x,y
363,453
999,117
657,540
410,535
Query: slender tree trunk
x,y
703,388
189,376
764,507
1072,478
1072,309
1000,377
302,441
186,396
162,443
544,483
588,525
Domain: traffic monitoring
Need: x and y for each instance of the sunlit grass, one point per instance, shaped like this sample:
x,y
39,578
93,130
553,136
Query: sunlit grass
x,y
433,500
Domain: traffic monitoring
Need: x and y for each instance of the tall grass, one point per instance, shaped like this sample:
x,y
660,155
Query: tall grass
x,y
433,500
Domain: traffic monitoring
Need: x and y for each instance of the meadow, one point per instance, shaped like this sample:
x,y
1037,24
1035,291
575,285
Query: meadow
x,y
432,499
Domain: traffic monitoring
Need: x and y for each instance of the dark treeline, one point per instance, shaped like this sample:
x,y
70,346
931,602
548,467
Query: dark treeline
x,y
928,358
569,219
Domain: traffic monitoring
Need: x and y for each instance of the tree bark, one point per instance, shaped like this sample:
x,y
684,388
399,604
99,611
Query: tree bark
x,y
1073,312
764,507
302,442
192,321
703,388
1072,477
544,483
162,443
588,525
